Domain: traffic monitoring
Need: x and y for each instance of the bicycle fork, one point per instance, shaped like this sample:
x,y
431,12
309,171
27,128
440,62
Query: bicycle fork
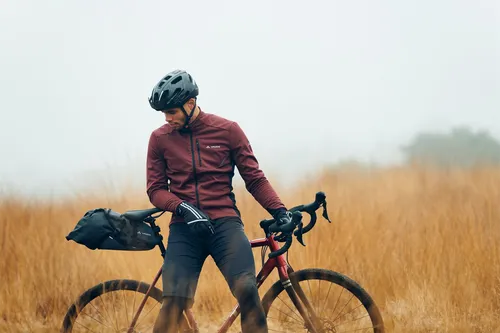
x,y
299,299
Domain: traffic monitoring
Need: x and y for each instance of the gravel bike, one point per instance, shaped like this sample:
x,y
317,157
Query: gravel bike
x,y
294,303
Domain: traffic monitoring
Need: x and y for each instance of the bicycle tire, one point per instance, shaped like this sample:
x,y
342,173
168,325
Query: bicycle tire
x,y
100,289
334,277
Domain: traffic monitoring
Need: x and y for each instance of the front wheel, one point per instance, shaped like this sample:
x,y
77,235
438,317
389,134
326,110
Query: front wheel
x,y
334,302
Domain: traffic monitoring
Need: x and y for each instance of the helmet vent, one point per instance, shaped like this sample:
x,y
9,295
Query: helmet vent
x,y
177,79
177,90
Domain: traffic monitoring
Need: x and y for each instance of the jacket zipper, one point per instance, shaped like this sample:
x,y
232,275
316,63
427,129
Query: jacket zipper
x,y
194,171
198,148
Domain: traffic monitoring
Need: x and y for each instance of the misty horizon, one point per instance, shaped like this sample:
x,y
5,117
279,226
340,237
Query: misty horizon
x,y
327,81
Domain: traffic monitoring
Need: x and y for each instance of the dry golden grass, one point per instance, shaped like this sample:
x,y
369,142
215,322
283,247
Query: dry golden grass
x,y
424,243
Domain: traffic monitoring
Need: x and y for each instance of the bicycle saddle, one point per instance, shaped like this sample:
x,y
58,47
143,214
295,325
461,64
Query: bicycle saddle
x,y
140,214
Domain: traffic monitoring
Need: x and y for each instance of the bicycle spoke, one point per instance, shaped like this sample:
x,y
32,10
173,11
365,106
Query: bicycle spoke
x,y
138,322
326,299
356,330
106,310
316,309
280,325
309,286
287,316
352,296
144,313
98,311
147,328
88,329
335,307
298,315
284,318
114,310
351,320
350,312
273,330
367,328
126,310
100,322
284,327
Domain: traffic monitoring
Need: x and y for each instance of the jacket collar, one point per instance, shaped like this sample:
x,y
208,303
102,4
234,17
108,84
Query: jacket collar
x,y
196,124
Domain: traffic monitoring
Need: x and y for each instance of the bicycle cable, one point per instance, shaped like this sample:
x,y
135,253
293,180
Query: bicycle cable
x,y
157,216
263,253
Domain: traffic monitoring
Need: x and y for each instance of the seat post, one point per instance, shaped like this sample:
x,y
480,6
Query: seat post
x,y
156,229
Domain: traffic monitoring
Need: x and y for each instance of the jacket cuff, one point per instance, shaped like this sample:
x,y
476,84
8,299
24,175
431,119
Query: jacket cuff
x,y
275,211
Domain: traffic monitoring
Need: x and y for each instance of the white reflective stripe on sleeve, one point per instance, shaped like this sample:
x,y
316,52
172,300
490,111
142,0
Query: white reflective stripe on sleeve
x,y
202,220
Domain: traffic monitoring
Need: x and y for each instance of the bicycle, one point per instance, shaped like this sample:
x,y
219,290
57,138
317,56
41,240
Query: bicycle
x,y
309,317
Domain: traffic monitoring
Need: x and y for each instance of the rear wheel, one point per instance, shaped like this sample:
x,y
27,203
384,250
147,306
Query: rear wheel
x,y
109,307
339,304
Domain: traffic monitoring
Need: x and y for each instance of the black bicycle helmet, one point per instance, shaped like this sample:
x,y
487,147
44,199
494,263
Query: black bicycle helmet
x,y
175,89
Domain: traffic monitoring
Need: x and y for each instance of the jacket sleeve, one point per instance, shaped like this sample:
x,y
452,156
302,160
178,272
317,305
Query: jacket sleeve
x,y
255,181
157,181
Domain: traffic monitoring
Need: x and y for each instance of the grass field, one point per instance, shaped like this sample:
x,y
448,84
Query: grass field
x,y
424,243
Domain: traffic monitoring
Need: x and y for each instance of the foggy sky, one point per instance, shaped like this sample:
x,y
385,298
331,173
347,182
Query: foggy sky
x,y
326,80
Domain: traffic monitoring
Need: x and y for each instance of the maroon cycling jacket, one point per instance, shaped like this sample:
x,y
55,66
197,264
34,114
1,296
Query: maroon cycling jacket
x,y
197,166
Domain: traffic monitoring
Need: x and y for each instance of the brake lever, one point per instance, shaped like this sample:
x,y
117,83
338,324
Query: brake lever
x,y
299,233
325,212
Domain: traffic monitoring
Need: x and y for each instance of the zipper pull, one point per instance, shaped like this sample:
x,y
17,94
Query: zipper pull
x,y
199,153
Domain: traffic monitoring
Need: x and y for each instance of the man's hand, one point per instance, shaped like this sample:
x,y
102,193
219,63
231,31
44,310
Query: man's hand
x,y
282,217
199,223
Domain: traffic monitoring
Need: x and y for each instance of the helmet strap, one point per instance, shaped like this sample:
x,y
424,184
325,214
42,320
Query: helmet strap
x,y
188,116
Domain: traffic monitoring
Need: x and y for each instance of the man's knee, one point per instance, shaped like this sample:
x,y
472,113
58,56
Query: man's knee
x,y
176,303
245,286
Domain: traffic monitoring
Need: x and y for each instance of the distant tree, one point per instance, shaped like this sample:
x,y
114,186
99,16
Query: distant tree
x,y
460,147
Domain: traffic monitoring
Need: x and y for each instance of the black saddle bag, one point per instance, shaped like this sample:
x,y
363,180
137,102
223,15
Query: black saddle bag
x,y
103,228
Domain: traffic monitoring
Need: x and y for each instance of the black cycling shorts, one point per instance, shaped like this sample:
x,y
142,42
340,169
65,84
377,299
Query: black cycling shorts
x,y
185,255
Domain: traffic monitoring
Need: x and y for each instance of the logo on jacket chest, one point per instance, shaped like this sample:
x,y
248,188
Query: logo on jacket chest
x,y
213,147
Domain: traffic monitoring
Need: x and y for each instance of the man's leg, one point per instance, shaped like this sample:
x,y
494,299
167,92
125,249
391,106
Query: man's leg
x,y
232,253
170,315
184,258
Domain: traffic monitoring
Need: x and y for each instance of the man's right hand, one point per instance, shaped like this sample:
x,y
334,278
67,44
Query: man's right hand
x,y
199,223
283,217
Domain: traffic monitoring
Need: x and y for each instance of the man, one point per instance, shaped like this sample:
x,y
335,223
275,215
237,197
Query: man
x,y
190,166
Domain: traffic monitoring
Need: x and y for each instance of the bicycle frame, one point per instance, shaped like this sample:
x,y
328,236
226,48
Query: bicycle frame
x,y
294,291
